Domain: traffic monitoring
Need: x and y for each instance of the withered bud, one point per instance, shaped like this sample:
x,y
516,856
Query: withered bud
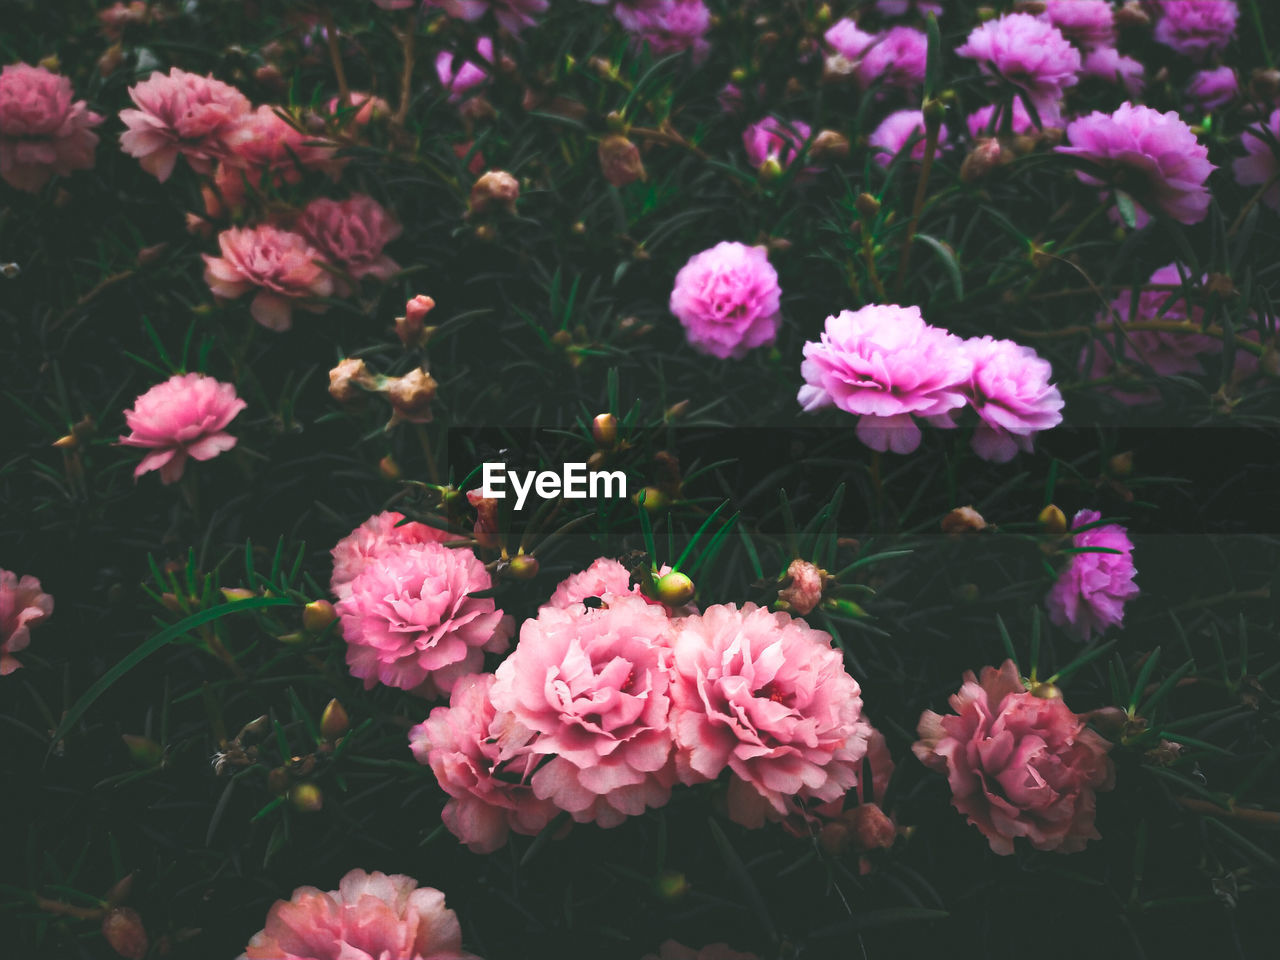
x,y
495,189
986,155
306,798
1033,7
411,328
144,751
1053,519
867,205
871,827
604,430
963,520
334,721
10,271
835,837
1131,14
620,160
829,145
522,567
122,928
1221,284
1164,753
348,379
318,615
411,396
603,68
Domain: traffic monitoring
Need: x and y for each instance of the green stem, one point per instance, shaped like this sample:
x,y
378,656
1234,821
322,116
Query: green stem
x,y
932,126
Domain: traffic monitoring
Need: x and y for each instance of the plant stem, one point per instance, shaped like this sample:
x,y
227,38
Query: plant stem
x,y
406,76
1267,817
932,127
335,57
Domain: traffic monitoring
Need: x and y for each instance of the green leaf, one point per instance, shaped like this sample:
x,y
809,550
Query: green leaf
x,y
885,917
933,57
1143,675
739,871
948,258
1128,212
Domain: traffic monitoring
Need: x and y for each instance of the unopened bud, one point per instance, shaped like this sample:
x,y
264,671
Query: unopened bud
x,y
871,827
845,608
144,751
829,145
306,798
318,615
1046,691
676,411
334,721
123,929
1053,519
348,379
986,155
620,160
411,396
604,430
388,467
671,885
867,205
522,567
1264,84
674,589
496,189
119,891
963,520
111,58
1131,14
834,837
10,271
1121,465
411,328
233,594
651,498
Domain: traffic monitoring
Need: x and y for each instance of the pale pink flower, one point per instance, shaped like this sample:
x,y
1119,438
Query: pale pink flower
x,y
351,234
1090,23
409,622
512,15
483,761
727,299
891,136
1107,63
672,950
1092,589
180,113
669,26
1011,393
979,121
1210,89
23,605
1030,54
1195,28
461,75
1019,765
896,58
848,41
280,264
187,415
804,588
370,915
361,108
593,684
263,146
1259,164
380,533
773,140
43,131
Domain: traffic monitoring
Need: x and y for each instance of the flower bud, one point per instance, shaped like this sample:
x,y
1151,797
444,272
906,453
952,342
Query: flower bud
x,y
963,520
306,798
1121,465
496,189
651,498
867,205
1046,691
1053,519
1264,84
119,891
111,58
348,379
411,328
486,526
834,837
278,781
388,467
769,170
871,827
829,145
1132,14
232,594
144,751
620,160
674,589
845,608
671,885
986,155
123,929
411,396
676,411
317,615
1110,721
604,430
522,567
334,721
10,271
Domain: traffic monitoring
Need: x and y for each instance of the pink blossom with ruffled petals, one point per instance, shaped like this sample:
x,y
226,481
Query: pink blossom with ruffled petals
x,y
370,915
765,696
673,950
1107,63
1194,28
180,113
380,533
669,26
512,15
1259,164
1090,23
593,684
891,136
409,622
263,144
23,605
979,122
1019,765
461,75
1153,156
847,40
281,265
1030,54
1011,392
1093,588
773,140
186,416
1210,89
43,131
727,299
896,58
351,234
884,364
483,761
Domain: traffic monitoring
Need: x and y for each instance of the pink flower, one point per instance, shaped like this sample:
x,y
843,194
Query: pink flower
x,y
884,364
671,950
263,145
1010,391
895,59
848,41
727,299
380,533
351,234
1196,27
483,761
1090,23
42,131
369,915
593,684
669,26
458,75
1106,63
1018,765
606,578
1093,588
280,264
22,605
513,15
360,108
1152,156
772,140
180,113
980,120
1030,54
765,696
409,622
1210,89
889,139
1259,164
187,415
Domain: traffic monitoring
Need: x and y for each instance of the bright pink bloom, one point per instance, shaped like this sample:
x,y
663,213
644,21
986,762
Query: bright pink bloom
x,y
848,41
884,364
361,108
280,264
1152,156
483,761
980,120
351,234
1093,588
669,26
767,697
727,299
1030,54
1106,63
1210,89
896,58
772,139
1018,765
1011,392
1259,164
43,132
409,622
1196,27
513,15
593,684
889,139
370,915
1090,23
671,950
22,605
180,113
461,75
380,533
262,145
187,415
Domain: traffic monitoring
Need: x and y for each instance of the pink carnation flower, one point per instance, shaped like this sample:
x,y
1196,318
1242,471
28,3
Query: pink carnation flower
x,y
187,415
672,950
1011,392
1210,89
896,58
351,234
727,299
460,76
1019,765
512,15
765,696
1090,23
483,761
891,136
410,623
1106,63
43,132
884,364
280,264
1196,27
1030,54
180,113
593,684
773,140
263,146
1093,588
22,605
669,26
979,121
369,915
848,41
1259,164
380,533
1152,156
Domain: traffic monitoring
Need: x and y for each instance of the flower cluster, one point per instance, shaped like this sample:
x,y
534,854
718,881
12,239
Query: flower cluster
x,y
44,131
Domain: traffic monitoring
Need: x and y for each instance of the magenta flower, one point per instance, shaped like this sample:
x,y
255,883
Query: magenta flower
x,y
727,299
380,533
23,605
180,113
765,696
1195,28
512,15
369,915
775,142
43,131
461,75
1152,156
848,41
483,761
1011,393
593,684
1019,765
281,265
1090,23
1093,587
1106,63
884,364
1210,89
410,623
351,235
980,120
1030,54
896,58
668,26
889,139
1259,164
186,416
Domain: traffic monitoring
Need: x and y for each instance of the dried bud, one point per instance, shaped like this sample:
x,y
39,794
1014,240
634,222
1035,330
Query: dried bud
x,y
1053,519
804,588
411,396
123,929
1164,754
867,205
318,615
149,255
10,271
144,751
604,429
334,721
829,145
495,189
306,798
1033,7
986,155
651,498
620,160
674,589
486,526
1131,14
522,567
348,379
963,520
871,827
411,328
835,837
